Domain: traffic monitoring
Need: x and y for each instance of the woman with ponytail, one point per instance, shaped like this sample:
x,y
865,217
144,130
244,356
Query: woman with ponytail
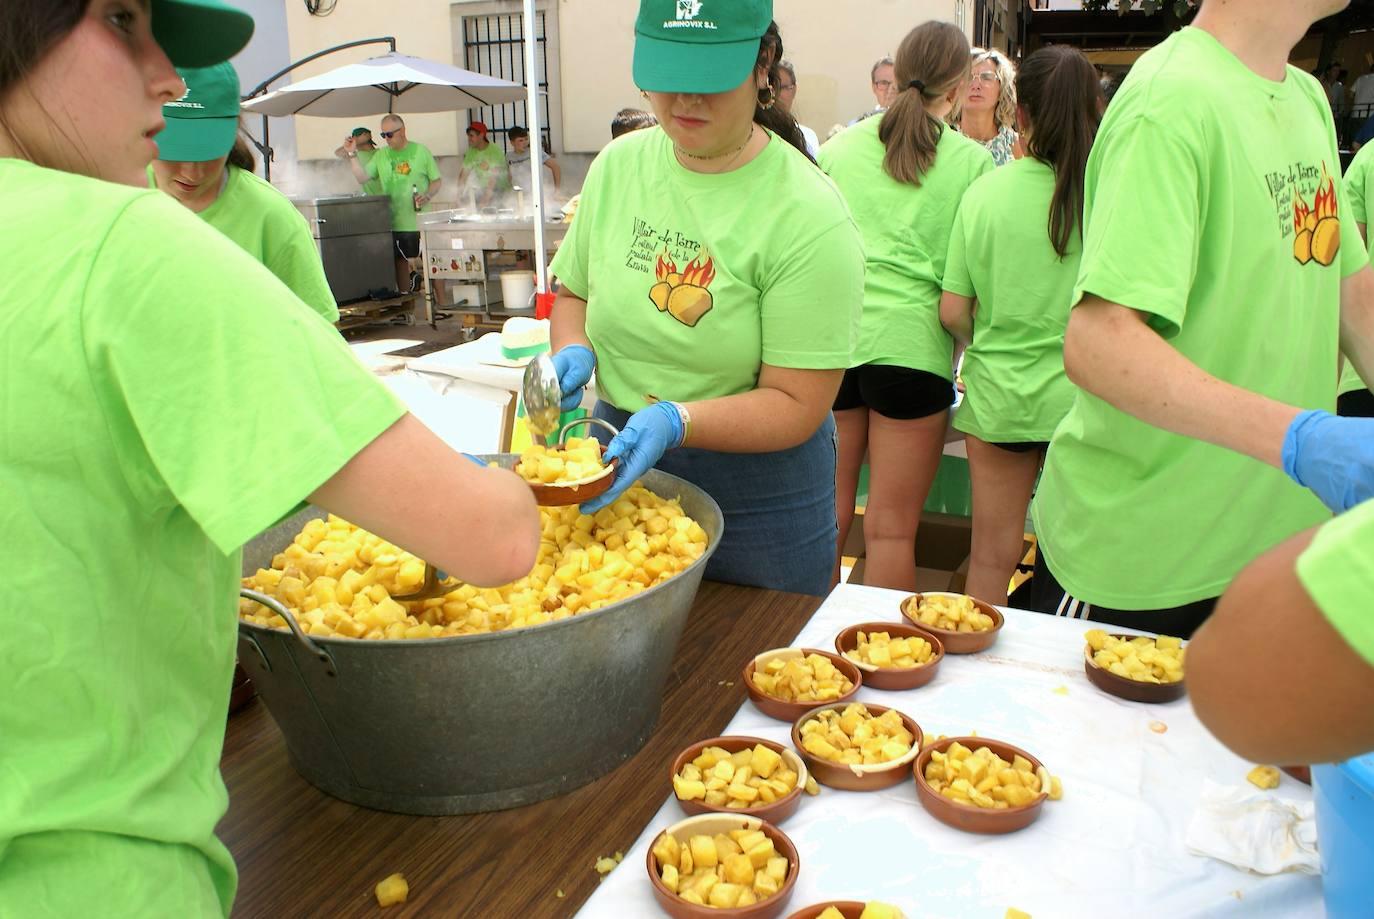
x,y
1014,252
718,334
902,173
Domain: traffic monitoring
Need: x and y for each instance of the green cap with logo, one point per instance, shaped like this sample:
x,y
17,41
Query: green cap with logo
x,y
198,33
202,124
698,46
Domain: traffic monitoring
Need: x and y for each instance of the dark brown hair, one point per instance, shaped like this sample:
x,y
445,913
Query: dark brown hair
x,y
631,119
766,114
1058,92
932,60
241,155
29,31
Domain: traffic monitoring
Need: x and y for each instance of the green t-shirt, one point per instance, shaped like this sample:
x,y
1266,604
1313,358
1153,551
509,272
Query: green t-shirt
x,y
906,237
268,227
402,173
694,281
371,186
1192,201
1337,569
1015,388
484,165
1359,191
166,399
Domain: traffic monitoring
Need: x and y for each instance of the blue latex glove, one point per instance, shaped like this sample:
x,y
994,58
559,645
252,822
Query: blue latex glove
x,y
471,458
574,364
1332,456
650,433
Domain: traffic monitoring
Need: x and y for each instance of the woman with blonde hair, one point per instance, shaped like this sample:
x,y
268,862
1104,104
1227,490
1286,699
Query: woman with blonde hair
x,y
988,114
903,174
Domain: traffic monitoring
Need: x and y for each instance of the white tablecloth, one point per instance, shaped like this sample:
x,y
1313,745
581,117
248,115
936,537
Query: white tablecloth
x,y
1112,847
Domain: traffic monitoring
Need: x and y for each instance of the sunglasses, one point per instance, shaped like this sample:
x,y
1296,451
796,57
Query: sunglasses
x,y
389,134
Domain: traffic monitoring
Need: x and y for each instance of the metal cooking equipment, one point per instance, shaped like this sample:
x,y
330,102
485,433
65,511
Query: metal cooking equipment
x,y
541,393
353,233
477,722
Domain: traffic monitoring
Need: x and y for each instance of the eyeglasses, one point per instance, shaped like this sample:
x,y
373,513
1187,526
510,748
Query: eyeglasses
x,y
987,76
389,134
784,87
883,84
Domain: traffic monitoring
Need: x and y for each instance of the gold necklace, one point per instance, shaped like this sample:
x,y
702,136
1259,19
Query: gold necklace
x,y
732,154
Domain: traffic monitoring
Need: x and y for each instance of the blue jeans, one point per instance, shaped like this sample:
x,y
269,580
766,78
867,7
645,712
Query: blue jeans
x,y
779,508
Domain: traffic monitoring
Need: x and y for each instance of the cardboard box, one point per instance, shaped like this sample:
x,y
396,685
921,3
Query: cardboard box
x,y
942,551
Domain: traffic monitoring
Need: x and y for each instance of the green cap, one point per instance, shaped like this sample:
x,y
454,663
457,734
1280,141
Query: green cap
x,y
202,124
198,33
698,46
359,132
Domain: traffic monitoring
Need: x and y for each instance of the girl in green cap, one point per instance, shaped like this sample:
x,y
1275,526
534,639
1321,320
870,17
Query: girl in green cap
x,y
165,400
717,331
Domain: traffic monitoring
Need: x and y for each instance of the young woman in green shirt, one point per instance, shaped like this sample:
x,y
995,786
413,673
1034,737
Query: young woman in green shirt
x,y
166,399
1013,259
902,173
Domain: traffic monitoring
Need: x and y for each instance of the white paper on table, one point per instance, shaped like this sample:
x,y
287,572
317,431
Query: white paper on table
x,y
1114,846
1255,831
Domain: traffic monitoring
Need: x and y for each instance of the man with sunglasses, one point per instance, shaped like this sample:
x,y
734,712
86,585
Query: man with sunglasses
x,y
410,178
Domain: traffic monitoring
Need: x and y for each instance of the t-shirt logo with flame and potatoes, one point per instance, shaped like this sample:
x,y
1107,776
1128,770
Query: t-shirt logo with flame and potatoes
x,y
1318,227
684,295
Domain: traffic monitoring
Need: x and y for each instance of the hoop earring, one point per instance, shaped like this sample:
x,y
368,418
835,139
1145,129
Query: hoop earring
x,y
643,94
766,102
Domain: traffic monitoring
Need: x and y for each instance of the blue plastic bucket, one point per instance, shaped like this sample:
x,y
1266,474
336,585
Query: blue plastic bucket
x,y
1344,797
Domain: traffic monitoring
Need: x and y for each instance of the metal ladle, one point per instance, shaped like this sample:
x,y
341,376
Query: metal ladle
x,y
542,397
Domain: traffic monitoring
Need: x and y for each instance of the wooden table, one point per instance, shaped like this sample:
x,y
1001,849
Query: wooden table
x,y
302,853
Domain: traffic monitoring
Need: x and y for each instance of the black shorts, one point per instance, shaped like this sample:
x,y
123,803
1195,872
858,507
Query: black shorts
x,y
894,392
1358,403
1044,594
1022,446
407,243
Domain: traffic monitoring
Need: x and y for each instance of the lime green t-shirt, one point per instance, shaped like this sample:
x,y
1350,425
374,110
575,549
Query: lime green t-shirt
x,y
906,238
485,164
268,227
166,399
371,186
1196,217
402,173
694,281
1337,569
1359,191
1015,388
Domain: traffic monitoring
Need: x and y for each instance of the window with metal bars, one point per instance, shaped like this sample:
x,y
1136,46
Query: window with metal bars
x,y
495,45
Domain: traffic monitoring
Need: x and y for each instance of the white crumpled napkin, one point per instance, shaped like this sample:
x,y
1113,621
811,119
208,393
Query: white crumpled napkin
x,y
1254,831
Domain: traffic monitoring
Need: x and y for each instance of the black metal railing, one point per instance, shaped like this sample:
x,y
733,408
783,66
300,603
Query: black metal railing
x,y
495,45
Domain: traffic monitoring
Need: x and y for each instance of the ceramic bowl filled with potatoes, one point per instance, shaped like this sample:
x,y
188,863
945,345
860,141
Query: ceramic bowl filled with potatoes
x,y
785,683
849,909
1141,668
857,747
740,775
450,704
722,865
567,473
964,624
892,655
981,785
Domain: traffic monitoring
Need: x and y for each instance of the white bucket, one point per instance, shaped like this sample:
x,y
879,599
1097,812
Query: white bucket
x,y
517,290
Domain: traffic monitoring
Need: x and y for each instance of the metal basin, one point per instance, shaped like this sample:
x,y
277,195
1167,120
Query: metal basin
x,y
474,723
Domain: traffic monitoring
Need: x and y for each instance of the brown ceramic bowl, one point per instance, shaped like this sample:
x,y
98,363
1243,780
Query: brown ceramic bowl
x,y
956,642
710,825
967,817
791,711
850,909
1125,688
857,778
893,677
563,495
776,812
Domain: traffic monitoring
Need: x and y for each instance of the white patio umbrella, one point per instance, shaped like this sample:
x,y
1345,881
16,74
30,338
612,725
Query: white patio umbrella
x,y
387,83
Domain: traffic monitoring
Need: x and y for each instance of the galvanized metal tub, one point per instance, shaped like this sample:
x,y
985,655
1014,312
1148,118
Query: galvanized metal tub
x,y
474,723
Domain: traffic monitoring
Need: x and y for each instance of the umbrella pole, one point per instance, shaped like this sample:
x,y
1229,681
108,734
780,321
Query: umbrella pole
x,y
537,149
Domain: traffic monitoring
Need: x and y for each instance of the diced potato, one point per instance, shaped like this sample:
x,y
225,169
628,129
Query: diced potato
x,y
856,736
703,850
392,890
951,613
1263,777
1143,659
809,679
875,910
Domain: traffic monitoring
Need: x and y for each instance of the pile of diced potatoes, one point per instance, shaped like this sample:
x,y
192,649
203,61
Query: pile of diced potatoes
x,y
856,736
746,778
956,613
578,459
880,649
338,580
1143,659
812,678
981,778
872,910
727,870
